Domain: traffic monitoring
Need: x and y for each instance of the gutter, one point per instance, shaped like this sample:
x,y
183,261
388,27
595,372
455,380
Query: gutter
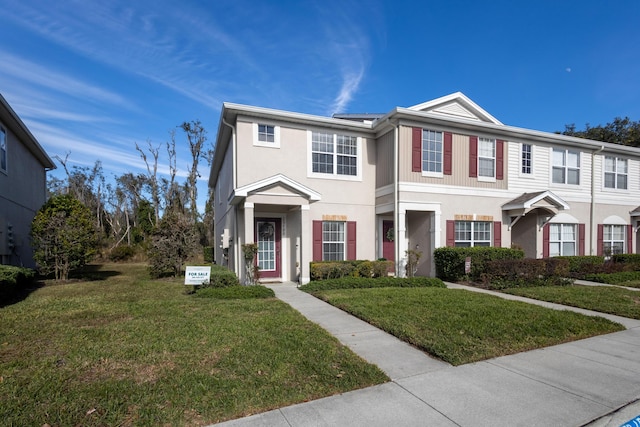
x,y
396,196
234,173
592,208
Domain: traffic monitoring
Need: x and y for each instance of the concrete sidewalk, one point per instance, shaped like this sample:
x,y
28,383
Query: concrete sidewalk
x,y
593,382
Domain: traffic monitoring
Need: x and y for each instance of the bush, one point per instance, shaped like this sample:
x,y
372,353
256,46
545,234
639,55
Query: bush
x,y
222,277
381,282
13,280
583,264
207,252
235,292
382,268
322,270
626,259
122,253
450,261
614,278
521,273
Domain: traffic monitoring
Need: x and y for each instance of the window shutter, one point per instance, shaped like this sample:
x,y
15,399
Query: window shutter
x,y
446,155
416,149
545,241
473,156
317,240
497,234
629,239
451,233
499,159
581,234
351,240
600,239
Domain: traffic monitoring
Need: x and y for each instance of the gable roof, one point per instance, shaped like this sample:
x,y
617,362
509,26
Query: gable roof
x,y
456,105
540,199
266,183
10,119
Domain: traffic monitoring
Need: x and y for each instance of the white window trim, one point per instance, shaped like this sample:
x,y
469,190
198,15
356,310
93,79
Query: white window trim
x,y
524,174
604,172
610,241
334,175
343,242
495,161
6,149
276,131
472,242
432,174
566,168
562,241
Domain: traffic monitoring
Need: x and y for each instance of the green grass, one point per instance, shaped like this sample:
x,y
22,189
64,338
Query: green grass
x,y
605,299
460,326
126,350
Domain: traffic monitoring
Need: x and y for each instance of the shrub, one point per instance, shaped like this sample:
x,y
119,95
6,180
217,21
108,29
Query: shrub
x,y
322,270
450,261
519,273
207,252
382,268
122,253
13,279
614,278
364,269
381,282
583,263
626,259
236,292
222,277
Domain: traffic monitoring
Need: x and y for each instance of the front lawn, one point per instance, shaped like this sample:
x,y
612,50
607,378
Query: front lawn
x,y
125,350
460,326
605,299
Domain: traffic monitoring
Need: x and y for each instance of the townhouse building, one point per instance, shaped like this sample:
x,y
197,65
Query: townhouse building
x,y
441,173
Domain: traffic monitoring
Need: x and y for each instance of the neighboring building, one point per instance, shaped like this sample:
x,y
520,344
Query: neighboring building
x,y
23,186
442,173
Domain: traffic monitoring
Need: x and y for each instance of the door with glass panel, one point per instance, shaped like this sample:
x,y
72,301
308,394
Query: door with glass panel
x,y
268,234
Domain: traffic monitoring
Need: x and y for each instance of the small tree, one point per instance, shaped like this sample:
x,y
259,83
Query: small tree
x,y
63,236
412,262
172,242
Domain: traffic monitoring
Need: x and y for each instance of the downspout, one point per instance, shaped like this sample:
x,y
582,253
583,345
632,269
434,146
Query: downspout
x,y
236,246
396,197
593,198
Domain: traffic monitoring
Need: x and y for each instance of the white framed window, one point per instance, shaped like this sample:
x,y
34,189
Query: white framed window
x,y
266,135
333,240
613,239
566,167
432,152
526,159
562,239
615,172
334,156
473,233
3,149
486,158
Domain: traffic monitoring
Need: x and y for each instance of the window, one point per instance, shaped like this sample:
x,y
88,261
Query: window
x,y
613,241
431,151
562,239
566,167
266,133
333,154
527,160
615,172
486,157
3,149
333,241
473,233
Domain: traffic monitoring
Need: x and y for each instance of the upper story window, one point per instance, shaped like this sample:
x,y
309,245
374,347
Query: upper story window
x,y
266,135
473,233
566,167
527,159
431,151
3,149
486,157
335,155
615,172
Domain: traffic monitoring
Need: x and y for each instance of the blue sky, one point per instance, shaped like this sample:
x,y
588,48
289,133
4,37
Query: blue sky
x,y
93,78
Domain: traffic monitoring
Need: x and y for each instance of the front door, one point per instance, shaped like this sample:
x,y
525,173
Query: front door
x,y
268,232
388,247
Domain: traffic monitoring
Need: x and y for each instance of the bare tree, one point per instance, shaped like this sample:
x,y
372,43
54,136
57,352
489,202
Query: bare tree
x,y
152,175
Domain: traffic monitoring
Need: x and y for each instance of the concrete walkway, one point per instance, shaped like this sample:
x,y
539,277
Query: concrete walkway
x,y
593,382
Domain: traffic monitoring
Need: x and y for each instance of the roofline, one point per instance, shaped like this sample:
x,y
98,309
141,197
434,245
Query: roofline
x,y
25,136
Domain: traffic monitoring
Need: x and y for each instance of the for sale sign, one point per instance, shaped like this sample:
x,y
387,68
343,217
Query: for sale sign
x,y
196,275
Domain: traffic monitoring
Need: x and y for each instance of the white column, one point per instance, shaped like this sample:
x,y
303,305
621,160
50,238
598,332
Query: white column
x,y
248,223
402,244
305,250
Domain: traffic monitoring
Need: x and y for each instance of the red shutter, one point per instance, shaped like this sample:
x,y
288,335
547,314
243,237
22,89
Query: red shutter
x,y
545,241
600,239
416,150
317,240
581,234
447,149
497,234
473,156
451,233
499,159
351,240
629,239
